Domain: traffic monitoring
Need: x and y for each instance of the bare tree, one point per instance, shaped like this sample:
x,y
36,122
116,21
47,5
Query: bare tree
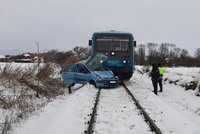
x,y
184,53
141,54
184,58
164,52
152,53
58,57
177,52
172,54
197,57
136,59
152,48
197,53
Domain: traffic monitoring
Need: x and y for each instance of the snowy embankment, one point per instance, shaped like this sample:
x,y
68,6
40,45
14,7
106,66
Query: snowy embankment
x,y
180,76
25,88
67,114
175,110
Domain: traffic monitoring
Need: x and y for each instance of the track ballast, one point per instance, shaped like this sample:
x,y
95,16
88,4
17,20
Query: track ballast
x,y
108,102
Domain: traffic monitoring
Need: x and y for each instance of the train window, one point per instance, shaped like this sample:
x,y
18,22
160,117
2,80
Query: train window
x,y
112,44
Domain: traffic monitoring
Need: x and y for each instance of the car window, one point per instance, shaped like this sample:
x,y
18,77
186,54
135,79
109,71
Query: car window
x,y
82,68
96,61
70,68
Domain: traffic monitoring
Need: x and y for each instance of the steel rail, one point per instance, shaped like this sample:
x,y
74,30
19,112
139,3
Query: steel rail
x,y
148,119
92,119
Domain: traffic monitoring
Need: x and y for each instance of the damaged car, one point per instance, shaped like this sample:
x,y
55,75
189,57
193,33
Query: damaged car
x,y
91,71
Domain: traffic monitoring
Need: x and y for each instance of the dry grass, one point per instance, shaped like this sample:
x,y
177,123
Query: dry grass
x,y
6,126
73,59
23,90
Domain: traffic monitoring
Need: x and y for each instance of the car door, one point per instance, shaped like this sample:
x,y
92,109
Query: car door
x,y
82,74
69,74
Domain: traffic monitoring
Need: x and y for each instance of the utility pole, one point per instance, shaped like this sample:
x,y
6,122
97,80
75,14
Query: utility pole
x,y
38,63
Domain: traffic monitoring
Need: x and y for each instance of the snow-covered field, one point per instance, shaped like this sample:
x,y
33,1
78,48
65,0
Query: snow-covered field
x,y
175,110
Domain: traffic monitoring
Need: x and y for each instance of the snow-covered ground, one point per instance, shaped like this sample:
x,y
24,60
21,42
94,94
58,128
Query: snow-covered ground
x,y
67,114
174,110
117,114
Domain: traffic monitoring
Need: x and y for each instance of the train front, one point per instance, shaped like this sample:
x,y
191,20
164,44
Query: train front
x,y
119,47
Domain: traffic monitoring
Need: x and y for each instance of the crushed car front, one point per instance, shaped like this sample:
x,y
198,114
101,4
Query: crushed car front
x,y
102,76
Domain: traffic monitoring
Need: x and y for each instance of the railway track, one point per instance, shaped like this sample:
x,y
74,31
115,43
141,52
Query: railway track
x,y
128,107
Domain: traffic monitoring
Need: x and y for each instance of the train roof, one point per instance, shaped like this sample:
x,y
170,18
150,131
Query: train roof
x,y
111,32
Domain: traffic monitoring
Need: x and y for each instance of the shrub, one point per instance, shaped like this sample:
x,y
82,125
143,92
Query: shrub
x,y
192,85
21,88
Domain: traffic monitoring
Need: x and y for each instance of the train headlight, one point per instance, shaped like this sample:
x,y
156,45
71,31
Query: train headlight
x,y
101,61
113,53
124,61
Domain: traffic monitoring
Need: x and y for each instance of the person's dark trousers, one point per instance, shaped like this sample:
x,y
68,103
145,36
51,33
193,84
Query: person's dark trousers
x,y
160,83
155,86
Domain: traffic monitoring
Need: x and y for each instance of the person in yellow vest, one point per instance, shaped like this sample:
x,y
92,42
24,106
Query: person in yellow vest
x,y
161,72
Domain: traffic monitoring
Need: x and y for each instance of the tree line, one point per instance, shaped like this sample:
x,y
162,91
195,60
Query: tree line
x,y
78,53
165,53
145,54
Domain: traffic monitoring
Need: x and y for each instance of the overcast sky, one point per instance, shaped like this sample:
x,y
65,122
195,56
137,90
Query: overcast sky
x,y
64,24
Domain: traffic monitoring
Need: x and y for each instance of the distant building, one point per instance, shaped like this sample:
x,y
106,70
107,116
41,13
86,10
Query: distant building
x,y
33,57
25,57
2,58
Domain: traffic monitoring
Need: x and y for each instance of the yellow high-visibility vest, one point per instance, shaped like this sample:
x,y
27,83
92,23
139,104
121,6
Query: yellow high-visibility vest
x,y
161,70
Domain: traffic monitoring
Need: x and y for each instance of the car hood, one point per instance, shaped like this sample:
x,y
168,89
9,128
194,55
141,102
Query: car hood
x,y
105,74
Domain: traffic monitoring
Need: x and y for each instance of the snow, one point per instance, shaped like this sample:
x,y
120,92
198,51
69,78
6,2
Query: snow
x,y
183,75
171,116
117,114
64,115
175,110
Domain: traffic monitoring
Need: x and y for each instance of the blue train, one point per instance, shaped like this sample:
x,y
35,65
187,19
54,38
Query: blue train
x,y
119,48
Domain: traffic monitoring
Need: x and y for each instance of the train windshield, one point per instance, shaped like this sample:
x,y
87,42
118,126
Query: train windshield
x,y
109,43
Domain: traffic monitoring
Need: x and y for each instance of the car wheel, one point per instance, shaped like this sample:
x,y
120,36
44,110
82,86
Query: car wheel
x,y
93,83
72,84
